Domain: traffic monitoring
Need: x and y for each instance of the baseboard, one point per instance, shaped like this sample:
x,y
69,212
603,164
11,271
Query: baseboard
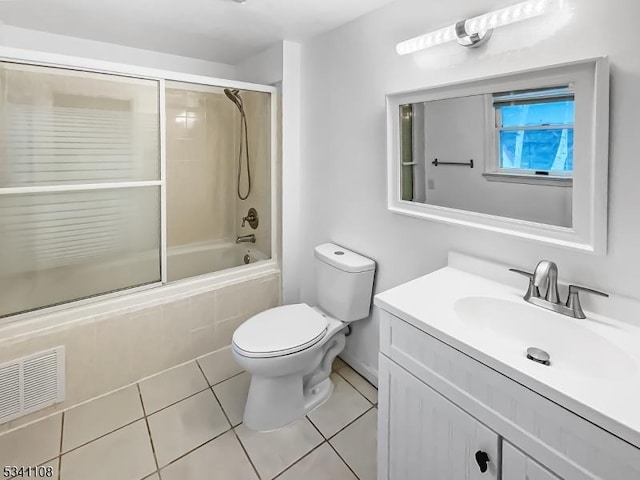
x,y
366,371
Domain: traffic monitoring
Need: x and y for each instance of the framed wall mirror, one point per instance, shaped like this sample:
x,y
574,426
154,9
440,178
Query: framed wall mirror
x,y
524,154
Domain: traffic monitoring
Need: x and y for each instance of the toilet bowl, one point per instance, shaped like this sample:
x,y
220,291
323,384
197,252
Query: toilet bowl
x,y
289,350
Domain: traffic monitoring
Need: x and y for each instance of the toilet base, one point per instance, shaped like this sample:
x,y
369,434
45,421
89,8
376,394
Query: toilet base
x,y
284,389
273,403
318,395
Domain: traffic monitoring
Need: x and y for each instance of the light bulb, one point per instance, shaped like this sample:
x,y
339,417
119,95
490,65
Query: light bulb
x,y
424,41
482,23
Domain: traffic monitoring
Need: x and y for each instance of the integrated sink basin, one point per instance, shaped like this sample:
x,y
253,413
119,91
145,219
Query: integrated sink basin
x,y
573,348
477,307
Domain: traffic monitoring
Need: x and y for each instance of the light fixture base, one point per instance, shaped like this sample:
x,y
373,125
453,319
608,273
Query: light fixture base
x,y
474,40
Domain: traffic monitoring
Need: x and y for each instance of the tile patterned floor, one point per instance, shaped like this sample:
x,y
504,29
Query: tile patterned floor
x,y
186,424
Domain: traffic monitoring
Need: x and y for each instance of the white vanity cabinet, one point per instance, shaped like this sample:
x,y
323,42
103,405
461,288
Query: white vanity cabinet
x,y
429,437
518,466
438,407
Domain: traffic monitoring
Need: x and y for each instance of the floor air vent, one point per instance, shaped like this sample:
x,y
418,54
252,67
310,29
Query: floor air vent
x,y
31,383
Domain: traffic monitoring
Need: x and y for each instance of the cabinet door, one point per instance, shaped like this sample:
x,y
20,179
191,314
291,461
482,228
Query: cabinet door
x,y
423,436
517,466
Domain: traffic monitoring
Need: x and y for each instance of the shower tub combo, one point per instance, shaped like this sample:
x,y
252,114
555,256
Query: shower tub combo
x,y
134,179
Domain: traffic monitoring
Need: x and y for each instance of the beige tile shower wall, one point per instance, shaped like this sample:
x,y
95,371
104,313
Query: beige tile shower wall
x,y
201,148
258,110
113,350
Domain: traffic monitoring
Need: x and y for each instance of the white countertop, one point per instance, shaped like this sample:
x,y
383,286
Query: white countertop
x,y
609,401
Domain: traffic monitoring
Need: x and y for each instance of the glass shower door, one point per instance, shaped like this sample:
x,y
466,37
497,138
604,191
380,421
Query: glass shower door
x,y
79,185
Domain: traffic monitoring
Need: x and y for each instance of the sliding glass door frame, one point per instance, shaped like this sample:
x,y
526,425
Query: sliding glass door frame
x,y
43,59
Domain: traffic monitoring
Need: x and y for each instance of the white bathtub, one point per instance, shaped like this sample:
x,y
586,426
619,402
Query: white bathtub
x,y
197,259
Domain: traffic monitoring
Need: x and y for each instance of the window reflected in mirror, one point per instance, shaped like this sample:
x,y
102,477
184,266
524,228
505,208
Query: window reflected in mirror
x,y
535,131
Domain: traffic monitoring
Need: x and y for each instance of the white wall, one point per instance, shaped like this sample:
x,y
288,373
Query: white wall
x,y
281,66
291,158
346,74
27,39
264,67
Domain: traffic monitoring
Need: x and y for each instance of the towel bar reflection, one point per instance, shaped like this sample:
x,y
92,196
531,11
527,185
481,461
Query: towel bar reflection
x,y
437,163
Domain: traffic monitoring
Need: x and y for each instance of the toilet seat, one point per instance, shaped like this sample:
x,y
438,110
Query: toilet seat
x,y
280,331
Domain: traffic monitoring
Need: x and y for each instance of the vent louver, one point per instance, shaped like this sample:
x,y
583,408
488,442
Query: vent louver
x,y
31,383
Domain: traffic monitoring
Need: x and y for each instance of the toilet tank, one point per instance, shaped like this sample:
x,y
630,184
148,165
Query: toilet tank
x,y
344,282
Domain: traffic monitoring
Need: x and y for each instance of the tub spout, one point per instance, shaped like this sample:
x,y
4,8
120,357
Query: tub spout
x,y
251,238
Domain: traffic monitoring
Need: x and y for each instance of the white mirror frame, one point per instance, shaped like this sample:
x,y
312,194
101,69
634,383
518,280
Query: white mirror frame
x,y
591,147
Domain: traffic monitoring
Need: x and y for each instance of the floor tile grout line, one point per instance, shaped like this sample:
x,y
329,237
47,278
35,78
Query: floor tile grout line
x,y
178,401
60,449
208,441
343,428
236,433
228,378
350,423
203,374
332,447
227,417
346,365
218,400
102,436
211,385
314,426
134,421
356,388
53,414
299,460
340,431
246,452
343,460
324,440
177,459
146,421
221,407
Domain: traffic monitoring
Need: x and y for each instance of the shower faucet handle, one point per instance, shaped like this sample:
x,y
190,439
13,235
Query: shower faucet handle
x,y
251,218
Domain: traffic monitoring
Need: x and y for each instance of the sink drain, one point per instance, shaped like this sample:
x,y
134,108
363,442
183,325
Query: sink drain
x,y
538,355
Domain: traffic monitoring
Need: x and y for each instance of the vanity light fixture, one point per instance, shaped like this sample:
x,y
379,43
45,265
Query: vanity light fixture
x,y
475,31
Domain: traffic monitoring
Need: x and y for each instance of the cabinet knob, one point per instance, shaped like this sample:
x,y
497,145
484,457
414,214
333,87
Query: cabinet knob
x,y
482,458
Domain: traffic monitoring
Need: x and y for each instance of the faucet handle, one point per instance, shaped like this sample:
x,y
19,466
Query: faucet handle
x,y
533,290
251,218
574,289
573,300
522,272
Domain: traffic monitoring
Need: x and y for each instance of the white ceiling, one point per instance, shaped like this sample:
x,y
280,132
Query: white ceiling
x,y
215,30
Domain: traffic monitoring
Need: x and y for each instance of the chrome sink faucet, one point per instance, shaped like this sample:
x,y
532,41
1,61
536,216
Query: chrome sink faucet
x,y
546,276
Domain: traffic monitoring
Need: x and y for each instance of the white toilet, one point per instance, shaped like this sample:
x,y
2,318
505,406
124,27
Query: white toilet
x,y
289,350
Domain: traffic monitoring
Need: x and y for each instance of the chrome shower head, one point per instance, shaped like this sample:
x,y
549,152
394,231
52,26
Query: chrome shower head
x,y
234,96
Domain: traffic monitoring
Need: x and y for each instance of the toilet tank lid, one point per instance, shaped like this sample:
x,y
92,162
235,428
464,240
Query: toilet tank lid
x,y
343,259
